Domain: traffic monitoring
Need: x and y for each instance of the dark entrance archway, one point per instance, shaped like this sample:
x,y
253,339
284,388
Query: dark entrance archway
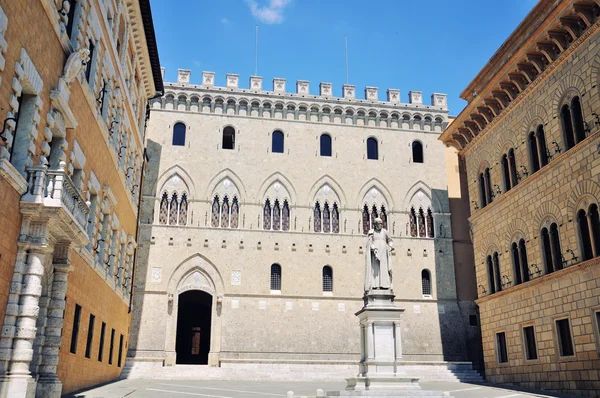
x,y
193,327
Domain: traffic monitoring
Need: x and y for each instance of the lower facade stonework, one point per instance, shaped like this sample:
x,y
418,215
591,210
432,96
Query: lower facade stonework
x,y
563,355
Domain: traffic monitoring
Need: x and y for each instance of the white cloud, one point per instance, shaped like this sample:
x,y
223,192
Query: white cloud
x,y
225,21
270,14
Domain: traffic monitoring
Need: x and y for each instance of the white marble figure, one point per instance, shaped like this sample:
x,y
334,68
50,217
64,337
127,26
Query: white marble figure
x,y
378,273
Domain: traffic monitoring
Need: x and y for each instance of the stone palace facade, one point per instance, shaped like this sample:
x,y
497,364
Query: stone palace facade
x,y
529,138
256,206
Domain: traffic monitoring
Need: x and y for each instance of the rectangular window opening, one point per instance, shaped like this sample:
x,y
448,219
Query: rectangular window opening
x,y
530,346
101,347
75,330
120,351
90,337
501,352
112,346
565,343
472,320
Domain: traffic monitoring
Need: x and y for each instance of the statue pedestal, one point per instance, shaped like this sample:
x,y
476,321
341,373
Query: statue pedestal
x,y
381,353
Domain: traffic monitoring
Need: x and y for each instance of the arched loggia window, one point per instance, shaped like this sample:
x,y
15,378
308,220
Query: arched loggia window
x,y
417,152
551,251
572,123
372,149
179,134
589,232
325,143
277,142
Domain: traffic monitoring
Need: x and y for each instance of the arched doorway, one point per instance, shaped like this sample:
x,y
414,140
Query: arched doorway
x,y
193,327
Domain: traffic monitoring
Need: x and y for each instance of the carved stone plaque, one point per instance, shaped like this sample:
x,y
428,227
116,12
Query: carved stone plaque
x,y
236,278
156,274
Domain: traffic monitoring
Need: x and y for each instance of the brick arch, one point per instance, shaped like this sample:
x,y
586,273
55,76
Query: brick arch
x,y
489,244
535,116
503,145
566,85
595,75
585,188
516,230
545,210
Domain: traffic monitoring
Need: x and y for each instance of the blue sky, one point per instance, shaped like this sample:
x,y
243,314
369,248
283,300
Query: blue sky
x,y
426,45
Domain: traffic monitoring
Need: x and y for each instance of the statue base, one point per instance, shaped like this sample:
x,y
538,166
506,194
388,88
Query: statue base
x,y
380,373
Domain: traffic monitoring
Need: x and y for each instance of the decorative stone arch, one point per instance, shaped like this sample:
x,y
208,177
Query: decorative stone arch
x,y
535,116
584,190
269,189
412,197
326,189
503,147
595,75
515,231
547,213
196,272
374,190
568,87
226,182
489,245
181,173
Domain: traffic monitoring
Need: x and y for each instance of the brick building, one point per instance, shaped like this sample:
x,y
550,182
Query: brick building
x,y
529,140
75,78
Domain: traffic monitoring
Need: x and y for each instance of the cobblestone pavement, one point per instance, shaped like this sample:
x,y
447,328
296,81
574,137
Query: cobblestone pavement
x,y
137,388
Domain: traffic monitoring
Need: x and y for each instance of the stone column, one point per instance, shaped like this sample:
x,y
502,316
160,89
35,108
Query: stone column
x,y
48,383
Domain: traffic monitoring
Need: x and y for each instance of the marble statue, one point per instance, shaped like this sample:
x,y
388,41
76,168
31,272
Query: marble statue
x,y
378,273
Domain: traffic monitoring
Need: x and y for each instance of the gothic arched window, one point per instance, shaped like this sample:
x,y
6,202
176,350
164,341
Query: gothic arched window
x,y
430,228
277,142
173,210
335,219
505,172
285,216
512,166
498,278
516,263
365,220
412,219
164,209
179,134
214,219
317,216
374,215
383,217
325,143
267,215
372,150
421,223
567,126
541,141
534,159
228,138
417,152
426,282
276,215
578,123
327,279
235,213
183,210
225,213
523,261
326,218
276,277
585,242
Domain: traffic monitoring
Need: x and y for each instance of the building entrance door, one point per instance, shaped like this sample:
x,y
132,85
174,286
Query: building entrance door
x,y
193,327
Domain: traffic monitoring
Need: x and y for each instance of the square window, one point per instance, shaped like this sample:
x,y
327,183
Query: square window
x,y
565,343
530,345
472,320
501,351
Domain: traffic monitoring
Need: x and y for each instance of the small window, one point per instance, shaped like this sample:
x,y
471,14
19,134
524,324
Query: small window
x,y
327,279
228,138
276,277
277,142
75,330
325,145
372,150
473,320
70,17
120,358
584,236
529,340
501,352
112,346
90,337
88,66
565,343
597,313
417,152
101,347
179,134
426,282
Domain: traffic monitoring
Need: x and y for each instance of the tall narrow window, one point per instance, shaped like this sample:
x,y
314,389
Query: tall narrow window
x,y
547,252
285,216
225,213
523,260
490,272
101,346
567,125
317,216
335,219
430,228
372,150
413,222
325,145
533,153
90,337
565,343
276,277
541,142
417,152
277,142
594,229
426,282
235,213
555,248
326,218
88,66
164,209
183,208
267,215
488,185
214,217
276,215
512,165
578,123
75,330
516,263
497,277
421,223
365,220
505,172
584,236
327,279
173,210
383,216
71,17
179,134
228,138
482,194
119,359
111,348
374,215
501,352
529,340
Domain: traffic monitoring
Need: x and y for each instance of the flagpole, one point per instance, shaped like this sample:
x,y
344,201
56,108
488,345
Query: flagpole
x,y
346,40
256,52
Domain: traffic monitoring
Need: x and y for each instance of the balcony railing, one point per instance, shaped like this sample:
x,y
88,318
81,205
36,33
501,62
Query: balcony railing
x,y
54,188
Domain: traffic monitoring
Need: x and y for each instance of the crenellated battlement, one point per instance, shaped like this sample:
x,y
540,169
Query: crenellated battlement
x,y
371,94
